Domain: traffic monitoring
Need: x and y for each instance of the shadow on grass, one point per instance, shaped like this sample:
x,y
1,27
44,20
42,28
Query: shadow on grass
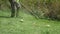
x,y
9,17
5,17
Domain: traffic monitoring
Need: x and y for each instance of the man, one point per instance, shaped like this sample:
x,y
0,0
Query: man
x,y
15,5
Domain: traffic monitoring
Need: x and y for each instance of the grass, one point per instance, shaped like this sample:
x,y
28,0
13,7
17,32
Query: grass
x,y
30,25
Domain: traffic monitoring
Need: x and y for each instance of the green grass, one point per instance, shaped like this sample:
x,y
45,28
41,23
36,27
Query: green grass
x,y
30,25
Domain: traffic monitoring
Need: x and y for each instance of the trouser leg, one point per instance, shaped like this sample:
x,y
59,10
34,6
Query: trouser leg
x,y
12,13
17,13
12,10
18,7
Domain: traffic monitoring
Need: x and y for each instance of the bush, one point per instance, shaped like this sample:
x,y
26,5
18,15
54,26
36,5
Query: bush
x,y
39,8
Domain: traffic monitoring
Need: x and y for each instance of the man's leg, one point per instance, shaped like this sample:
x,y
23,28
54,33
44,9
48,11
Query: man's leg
x,y
18,7
12,10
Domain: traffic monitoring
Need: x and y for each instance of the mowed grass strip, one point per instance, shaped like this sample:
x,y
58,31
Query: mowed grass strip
x,y
29,25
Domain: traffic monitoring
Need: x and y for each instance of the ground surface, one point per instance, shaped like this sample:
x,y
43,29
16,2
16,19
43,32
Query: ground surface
x,y
29,25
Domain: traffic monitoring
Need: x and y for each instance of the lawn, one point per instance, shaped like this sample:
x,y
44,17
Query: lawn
x,y
29,25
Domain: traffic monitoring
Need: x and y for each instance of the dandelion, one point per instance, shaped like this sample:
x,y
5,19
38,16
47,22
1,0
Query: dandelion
x,y
48,25
21,20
